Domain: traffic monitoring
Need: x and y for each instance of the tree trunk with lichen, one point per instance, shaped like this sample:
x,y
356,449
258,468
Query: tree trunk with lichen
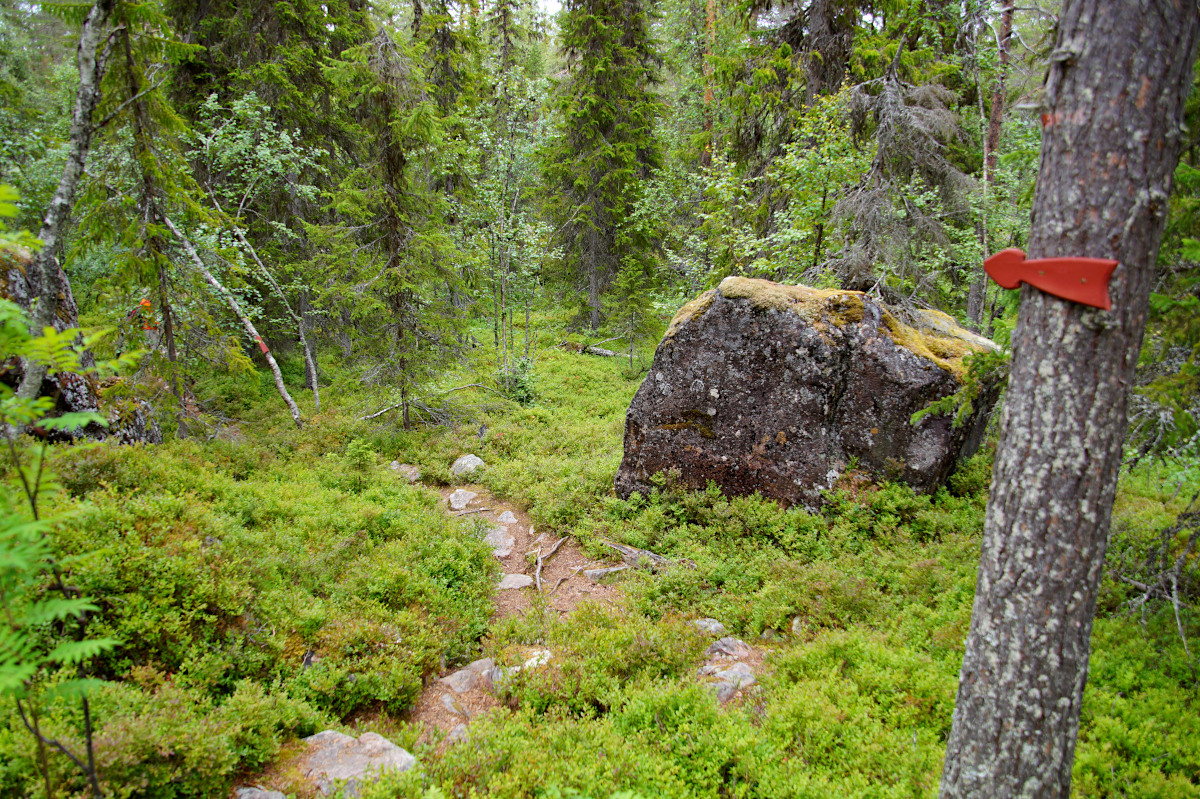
x,y
1112,131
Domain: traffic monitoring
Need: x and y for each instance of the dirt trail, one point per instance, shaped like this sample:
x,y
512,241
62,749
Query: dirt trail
x,y
562,580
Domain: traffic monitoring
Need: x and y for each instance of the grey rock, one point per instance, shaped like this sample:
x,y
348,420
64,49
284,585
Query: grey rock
x,y
734,648
457,734
471,676
799,627
467,464
770,635
255,792
777,389
461,498
454,706
406,470
501,542
336,760
461,681
508,517
515,581
596,575
710,626
739,674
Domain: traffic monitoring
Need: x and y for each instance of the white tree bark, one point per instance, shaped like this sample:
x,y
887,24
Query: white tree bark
x,y
198,262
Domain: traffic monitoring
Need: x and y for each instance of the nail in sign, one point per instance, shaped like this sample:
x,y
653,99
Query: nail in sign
x,y
1082,280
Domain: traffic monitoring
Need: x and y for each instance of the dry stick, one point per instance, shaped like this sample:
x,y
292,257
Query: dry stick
x,y
237,311
468,512
537,574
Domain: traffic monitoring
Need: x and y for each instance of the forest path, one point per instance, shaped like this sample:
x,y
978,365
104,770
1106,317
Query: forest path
x,y
563,586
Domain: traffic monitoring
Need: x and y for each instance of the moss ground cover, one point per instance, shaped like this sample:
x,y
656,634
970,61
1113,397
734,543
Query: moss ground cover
x,y
286,581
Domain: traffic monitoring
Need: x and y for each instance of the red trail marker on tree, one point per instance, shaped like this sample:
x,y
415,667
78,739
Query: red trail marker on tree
x,y
1082,280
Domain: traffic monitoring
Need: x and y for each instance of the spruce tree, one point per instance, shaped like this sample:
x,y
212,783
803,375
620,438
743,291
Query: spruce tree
x,y
606,143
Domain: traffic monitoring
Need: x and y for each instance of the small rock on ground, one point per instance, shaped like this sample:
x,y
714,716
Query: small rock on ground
x,y
461,498
406,470
515,581
710,626
508,517
458,733
500,541
470,676
466,465
335,759
730,648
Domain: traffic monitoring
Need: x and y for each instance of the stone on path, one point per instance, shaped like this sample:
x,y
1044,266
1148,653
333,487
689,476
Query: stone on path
x,y
515,581
470,676
406,470
710,626
461,498
467,464
501,542
458,733
507,518
730,648
335,759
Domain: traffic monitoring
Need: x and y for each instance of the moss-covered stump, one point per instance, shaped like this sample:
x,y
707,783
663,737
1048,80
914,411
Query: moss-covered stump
x,y
779,389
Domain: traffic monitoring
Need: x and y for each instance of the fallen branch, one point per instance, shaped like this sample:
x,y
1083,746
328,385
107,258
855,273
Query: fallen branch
x,y
644,558
469,512
541,560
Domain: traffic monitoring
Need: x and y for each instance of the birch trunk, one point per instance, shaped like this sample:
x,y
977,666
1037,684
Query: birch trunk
x,y
47,279
237,311
1112,133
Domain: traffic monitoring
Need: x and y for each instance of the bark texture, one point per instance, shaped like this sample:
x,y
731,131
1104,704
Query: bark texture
x,y
1112,131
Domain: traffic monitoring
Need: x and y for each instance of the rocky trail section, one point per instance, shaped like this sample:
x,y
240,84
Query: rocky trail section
x,y
537,568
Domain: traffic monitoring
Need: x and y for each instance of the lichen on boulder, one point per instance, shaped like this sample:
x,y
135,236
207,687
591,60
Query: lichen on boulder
x,y
763,387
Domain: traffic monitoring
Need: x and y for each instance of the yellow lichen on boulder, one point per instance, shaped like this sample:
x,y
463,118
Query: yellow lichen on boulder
x,y
690,311
938,338
839,306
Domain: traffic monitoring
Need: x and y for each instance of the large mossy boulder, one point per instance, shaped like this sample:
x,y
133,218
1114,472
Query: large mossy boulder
x,y
780,389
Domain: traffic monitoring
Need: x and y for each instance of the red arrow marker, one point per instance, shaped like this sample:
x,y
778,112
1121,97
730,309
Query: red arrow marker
x,y
1082,280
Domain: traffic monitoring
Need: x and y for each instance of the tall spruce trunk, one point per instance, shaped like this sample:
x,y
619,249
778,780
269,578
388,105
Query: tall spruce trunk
x,y
1112,132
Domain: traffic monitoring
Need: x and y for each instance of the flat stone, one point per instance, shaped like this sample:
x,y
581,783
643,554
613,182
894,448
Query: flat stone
x,y
461,498
406,470
731,648
501,542
508,517
467,464
770,635
457,733
739,675
515,581
336,760
596,575
481,666
799,627
710,626
454,706
255,792
461,681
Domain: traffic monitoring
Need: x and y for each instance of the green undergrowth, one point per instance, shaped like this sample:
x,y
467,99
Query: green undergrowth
x,y
274,582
